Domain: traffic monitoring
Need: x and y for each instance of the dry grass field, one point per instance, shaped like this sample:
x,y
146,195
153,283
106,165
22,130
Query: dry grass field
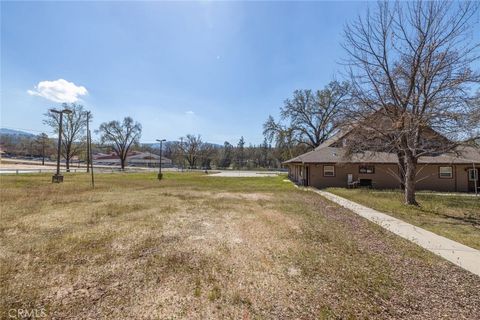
x,y
198,247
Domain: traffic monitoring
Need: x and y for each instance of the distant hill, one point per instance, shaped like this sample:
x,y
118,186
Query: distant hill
x,y
16,133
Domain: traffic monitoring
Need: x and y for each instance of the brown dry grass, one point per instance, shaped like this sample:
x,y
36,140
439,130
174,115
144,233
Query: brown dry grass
x,y
199,247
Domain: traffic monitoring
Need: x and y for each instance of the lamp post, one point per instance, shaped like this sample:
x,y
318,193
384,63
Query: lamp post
x,y
57,178
160,161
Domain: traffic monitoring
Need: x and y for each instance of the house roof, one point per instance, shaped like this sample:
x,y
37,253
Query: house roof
x,y
326,154
331,150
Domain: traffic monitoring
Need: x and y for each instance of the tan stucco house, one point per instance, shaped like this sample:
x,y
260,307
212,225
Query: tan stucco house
x,y
329,166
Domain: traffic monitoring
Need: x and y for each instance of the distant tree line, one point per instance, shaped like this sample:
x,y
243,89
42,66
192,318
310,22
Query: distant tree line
x,y
123,137
191,152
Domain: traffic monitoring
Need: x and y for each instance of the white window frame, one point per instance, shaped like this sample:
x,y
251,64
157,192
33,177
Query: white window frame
x,y
329,173
445,174
367,167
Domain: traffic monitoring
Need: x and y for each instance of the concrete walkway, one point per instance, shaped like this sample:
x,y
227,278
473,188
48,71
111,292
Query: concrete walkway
x,y
457,253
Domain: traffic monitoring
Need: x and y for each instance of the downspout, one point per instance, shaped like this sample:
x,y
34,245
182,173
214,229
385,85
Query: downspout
x,y
455,172
303,174
475,178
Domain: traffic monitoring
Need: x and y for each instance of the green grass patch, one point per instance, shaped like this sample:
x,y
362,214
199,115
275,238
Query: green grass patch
x,y
454,216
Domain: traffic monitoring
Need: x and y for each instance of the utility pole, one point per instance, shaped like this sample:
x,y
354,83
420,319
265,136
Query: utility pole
x,y
181,151
57,178
160,160
89,138
43,151
88,142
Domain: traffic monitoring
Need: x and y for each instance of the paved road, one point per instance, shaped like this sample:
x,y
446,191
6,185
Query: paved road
x,y
52,170
457,253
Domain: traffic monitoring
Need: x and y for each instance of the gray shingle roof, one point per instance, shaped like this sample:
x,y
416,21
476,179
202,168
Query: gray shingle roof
x,y
324,154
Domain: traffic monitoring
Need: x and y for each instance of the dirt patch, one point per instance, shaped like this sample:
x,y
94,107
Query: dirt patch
x,y
242,196
139,249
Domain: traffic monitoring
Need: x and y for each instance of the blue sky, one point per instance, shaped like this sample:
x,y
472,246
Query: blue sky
x,y
212,68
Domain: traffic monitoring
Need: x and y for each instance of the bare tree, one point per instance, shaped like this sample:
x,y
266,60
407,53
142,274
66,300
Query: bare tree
x,y
409,65
240,154
226,155
286,146
120,136
208,152
474,136
309,117
191,148
44,145
73,130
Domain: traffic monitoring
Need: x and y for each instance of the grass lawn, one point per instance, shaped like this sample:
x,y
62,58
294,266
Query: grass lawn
x,y
454,216
198,247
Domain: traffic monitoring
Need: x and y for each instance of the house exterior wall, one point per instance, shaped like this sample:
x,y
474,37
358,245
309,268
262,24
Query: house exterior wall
x,y
428,178
462,178
384,176
296,173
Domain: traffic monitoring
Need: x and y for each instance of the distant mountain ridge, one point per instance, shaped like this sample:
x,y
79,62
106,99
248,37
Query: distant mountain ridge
x,y
12,132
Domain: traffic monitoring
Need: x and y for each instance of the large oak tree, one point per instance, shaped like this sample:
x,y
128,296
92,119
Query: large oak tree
x,y
410,67
309,117
120,136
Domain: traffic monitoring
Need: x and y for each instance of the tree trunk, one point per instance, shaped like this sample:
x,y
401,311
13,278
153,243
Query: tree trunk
x,y
410,176
67,162
401,169
122,164
191,162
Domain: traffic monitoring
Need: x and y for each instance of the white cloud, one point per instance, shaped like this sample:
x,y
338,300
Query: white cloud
x,y
59,91
190,113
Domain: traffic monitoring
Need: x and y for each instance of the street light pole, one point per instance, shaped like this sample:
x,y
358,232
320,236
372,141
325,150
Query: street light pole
x,y
88,142
57,178
182,155
43,150
160,160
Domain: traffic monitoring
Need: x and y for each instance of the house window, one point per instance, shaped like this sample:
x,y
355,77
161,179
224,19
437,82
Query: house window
x,y
472,174
445,172
366,169
329,171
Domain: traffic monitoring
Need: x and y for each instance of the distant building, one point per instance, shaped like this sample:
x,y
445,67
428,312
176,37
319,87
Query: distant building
x,y
134,159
